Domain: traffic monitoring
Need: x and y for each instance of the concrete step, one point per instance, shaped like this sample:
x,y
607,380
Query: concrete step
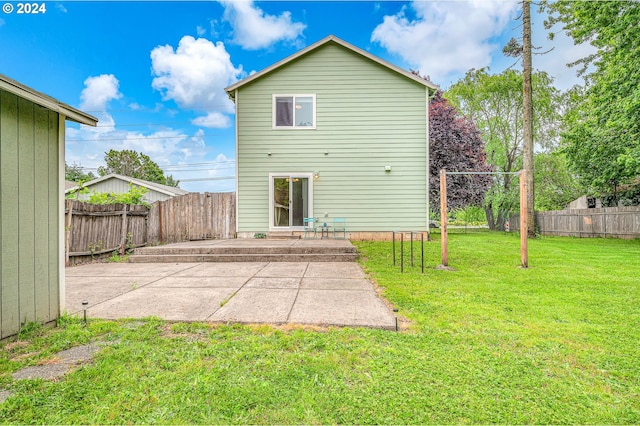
x,y
282,236
264,257
265,250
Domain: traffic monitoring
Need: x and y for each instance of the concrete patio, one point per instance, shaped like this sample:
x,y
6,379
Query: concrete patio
x,y
249,250
318,293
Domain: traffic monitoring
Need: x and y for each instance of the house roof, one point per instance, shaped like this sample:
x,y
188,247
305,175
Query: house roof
x,y
327,40
48,102
164,189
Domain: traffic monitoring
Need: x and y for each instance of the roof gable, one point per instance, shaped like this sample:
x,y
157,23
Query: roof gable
x,y
330,39
164,189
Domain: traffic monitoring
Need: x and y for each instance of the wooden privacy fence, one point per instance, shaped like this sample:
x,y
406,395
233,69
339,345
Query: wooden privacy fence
x,y
618,222
91,229
193,217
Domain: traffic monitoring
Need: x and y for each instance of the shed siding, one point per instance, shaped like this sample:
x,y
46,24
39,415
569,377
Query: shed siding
x,y
119,186
368,117
29,213
56,232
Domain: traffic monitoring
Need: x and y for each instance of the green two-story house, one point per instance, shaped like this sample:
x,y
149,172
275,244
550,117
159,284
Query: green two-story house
x,y
332,131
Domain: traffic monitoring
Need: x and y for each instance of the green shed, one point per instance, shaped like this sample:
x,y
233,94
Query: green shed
x,y
331,132
32,137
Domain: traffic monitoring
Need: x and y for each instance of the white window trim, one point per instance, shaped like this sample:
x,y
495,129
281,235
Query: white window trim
x,y
294,127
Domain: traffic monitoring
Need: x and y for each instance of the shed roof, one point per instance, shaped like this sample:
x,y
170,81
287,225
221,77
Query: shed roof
x,y
46,101
329,39
164,189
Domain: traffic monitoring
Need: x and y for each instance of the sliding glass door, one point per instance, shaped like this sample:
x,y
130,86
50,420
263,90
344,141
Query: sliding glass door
x,y
290,200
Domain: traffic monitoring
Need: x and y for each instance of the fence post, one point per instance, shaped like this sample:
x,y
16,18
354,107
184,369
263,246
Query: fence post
x,y
524,228
160,204
125,228
67,231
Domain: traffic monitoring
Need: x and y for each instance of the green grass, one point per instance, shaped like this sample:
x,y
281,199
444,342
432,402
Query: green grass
x,y
490,342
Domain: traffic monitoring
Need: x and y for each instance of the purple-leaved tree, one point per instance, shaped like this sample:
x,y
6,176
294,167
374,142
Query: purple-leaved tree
x,y
455,145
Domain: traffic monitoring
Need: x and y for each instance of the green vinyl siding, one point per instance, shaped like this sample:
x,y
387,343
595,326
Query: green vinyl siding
x,y
367,117
28,213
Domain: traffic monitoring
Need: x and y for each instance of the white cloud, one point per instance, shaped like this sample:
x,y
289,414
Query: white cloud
x,y
86,145
95,97
200,31
195,74
99,91
212,120
223,166
254,29
446,38
61,8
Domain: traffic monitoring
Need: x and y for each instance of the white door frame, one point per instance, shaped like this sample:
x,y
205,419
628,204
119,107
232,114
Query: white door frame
x,y
309,177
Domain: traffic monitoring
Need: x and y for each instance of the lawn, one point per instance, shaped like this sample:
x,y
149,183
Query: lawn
x,y
490,342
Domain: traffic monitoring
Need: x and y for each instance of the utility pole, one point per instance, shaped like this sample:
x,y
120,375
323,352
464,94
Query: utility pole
x,y
527,107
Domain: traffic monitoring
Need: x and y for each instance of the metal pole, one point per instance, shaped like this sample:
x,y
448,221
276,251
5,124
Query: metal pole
x,y
394,247
422,255
402,252
411,249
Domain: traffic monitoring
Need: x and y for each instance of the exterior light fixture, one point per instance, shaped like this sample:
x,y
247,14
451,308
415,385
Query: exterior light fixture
x,y
316,175
387,168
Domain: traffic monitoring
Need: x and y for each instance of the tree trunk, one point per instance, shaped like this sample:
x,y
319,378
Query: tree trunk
x,y
488,211
527,106
501,220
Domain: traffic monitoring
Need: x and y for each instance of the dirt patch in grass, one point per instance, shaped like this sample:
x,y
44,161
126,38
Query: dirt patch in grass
x,y
22,357
9,347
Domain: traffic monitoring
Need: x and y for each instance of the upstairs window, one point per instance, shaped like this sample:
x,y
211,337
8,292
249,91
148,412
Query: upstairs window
x,y
294,111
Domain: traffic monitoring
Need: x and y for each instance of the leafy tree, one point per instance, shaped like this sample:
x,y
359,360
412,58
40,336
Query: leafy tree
x,y
133,164
75,173
134,196
494,102
555,184
602,136
171,181
455,145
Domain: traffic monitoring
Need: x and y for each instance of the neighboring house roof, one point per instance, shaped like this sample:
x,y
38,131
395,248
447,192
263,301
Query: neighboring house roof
x,y
69,184
164,189
330,39
41,99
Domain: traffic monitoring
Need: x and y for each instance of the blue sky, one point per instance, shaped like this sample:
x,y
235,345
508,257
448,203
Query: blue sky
x,y
153,72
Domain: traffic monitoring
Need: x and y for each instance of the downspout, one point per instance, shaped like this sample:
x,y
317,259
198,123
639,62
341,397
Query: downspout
x,y
235,99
